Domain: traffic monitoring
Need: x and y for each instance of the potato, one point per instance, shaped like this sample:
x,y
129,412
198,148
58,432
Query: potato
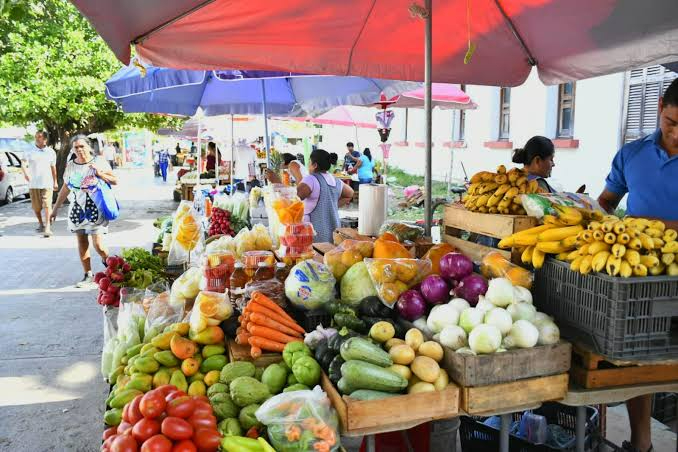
x,y
442,381
414,338
401,354
421,387
401,370
425,368
393,342
413,381
431,349
382,331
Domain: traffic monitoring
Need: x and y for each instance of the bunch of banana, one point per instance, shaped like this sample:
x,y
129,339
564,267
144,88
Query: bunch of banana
x,y
625,247
499,192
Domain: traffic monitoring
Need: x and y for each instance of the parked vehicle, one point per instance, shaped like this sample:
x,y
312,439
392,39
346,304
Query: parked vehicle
x,y
12,181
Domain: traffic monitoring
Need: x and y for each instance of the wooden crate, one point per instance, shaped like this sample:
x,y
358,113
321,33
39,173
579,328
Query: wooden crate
x,y
323,247
457,220
591,370
187,192
394,413
483,370
237,352
495,398
341,234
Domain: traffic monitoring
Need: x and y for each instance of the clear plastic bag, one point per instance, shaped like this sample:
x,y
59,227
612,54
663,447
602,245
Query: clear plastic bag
x,y
161,314
272,288
300,421
540,204
403,231
237,204
494,265
187,235
152,292
110,314
210,309
131,317
392,277
348,253
216,271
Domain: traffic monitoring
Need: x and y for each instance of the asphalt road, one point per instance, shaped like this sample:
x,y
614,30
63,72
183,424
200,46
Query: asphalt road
x,y
51,390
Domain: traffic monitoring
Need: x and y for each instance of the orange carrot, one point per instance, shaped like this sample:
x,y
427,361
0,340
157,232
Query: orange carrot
x,y
262,299
262,320
255,352
242,338
278,318
270,333
266,344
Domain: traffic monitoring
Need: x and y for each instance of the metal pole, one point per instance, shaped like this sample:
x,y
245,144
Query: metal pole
x,y
580,429
504,433
370,443
267,139
428,69
199,161
232,156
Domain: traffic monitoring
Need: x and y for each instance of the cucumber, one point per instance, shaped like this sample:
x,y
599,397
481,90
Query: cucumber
x,y
369,394
357,348
364,375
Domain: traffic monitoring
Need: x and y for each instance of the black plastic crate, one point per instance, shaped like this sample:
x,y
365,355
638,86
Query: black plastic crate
x,y
664,406
620,317
478,437
309,320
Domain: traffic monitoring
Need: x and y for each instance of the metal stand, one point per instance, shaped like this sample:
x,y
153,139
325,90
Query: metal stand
x,y
428,70
580,428
369,443
504,432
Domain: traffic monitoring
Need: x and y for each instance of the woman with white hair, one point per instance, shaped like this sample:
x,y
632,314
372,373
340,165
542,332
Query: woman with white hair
x,y
84,217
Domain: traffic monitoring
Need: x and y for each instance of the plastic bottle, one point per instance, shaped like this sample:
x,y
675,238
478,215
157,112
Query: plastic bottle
x,y
281,272
286,178
238,281
264,271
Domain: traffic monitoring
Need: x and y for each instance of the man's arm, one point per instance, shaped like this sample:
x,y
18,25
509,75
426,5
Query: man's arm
x,y
24,165
609,200
54,177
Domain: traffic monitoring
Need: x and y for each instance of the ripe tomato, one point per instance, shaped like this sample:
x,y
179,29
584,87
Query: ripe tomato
x,y
166,389
157,443
109,432
133,412
106,446
123,427
200,421
124,443
207,439
176,428
201,405
202,411
125,412
204,398
152,404
174,395
184,446
144,429
181,407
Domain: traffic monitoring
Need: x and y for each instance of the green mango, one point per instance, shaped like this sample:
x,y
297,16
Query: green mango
x,y
111,395
179,380
113,417
147,365
162,341
161,377
167,358
145,347
141,382
150,352
196,377
123,360
133,351
211,350
113,376
213,362
123,397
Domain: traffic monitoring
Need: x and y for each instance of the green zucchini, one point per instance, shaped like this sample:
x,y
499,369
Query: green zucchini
x,y
364,350
369,394
364,375
344,387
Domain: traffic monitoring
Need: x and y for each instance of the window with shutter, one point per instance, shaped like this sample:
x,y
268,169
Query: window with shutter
x,y
504,113
459,122
645,87
565,110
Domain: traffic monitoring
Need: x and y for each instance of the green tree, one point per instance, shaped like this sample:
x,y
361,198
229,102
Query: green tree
x,y
53,66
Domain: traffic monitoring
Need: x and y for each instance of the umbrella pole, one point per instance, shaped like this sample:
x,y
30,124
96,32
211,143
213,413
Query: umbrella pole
x,y
199,160
232,156
267,139
428,68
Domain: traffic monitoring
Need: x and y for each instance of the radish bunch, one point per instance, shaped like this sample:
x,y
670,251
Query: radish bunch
x,y
220,222
111,280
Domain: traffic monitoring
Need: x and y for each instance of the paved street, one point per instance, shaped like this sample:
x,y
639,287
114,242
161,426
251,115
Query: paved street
x,y
51,391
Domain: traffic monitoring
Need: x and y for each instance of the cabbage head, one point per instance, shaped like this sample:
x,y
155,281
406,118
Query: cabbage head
x,y
356,284
310,285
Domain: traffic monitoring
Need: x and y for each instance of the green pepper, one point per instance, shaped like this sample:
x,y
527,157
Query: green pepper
x,y
240,444
293,351
264,445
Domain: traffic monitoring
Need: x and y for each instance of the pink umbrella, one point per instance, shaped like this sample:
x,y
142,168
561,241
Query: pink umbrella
x,y
444,96
338,116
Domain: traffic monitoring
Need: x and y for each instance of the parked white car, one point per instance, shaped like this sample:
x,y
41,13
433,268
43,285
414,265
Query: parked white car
x,y
13,184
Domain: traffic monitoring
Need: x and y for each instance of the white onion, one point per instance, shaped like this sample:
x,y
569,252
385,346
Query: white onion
x,y
540,317
522,311
523,335
548,333
522,294
453,336
459,304
466,351
442,315
471,318
421,325
484,304
485,339
500,292
501,319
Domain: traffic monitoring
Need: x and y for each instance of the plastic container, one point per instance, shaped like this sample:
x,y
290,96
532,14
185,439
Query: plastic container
x,y
299,229
252,259
664,406
534,428
309,320
264,271
292,255
478,437
620,317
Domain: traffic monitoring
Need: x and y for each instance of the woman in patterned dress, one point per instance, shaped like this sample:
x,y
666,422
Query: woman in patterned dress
x,y
84,218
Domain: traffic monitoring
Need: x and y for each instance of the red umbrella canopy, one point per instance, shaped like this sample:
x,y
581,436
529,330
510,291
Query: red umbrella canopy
x,y
566,39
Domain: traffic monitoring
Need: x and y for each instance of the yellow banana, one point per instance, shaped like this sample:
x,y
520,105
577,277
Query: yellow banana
x,y
525,240
672,270
610,238
513,175
494,199
534,230
594,225
493,209
641,224
623,238
649,261
472,188
487,187
647,241
618,250
585,266
487,176
560,233
511,193
522,180
517,200
610,217
599,261
584,249
632,257
625,270
482,200
659,225
639,270
552,247
572,255
483,209
653,232
568,215
658,270
635,244
537,258
597,247
607,226
563,256
569,242
658,243
504,203
501,169
533,186
526,256
598,235
668,258
597,215
628,221
619,227
575,264
477,177
613,265
501,191
501,179
670,235
671,247
551,219
633,232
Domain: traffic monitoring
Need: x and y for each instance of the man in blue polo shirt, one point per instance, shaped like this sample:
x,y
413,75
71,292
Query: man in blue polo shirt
x,y
647,170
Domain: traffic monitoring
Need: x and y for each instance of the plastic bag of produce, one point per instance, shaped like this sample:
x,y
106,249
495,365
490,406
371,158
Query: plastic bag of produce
x,y
161,313
392,277
152,291
187,235
540,204
287,205
348,253
494,265
210,309
131,318
403,231
186,286
300,421
272,288
310,285
110,333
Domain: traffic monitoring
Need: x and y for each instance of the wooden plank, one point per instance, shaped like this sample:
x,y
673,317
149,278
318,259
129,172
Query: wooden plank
x,y
587,358
473,250
485,399
395,413
483,370
578,396
237,352
341,234
323,247
623,376
493,225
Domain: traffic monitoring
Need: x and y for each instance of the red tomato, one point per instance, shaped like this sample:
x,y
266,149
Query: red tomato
x,y
145,428
133,411
204,398
125,412
181,407
201,404
109,432
106,446
207,439
157,443
184,446
202,410
199,422
152,404
123,427
176,428
124,443
166,389
174,395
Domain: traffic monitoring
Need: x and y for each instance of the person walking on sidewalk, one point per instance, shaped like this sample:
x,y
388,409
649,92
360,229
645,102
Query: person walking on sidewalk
x,y
164,163
42,180
84,217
